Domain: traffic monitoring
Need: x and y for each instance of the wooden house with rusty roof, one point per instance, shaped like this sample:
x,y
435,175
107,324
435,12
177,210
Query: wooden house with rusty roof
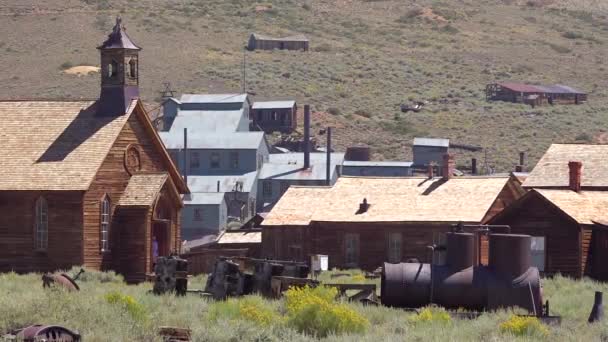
x,y
88,182
365,221
568,194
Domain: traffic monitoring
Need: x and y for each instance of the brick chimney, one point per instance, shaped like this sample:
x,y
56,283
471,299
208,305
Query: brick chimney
x,y
447,169
431,170
575,175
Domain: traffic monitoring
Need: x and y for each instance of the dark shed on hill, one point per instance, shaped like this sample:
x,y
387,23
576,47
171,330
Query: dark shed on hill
x,y
262,42
536,95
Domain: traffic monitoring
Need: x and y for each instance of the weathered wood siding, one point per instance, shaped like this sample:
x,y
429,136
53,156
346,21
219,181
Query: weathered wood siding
x,y
131,251
112,179
597,267
284,243
17,244
508,195
563,237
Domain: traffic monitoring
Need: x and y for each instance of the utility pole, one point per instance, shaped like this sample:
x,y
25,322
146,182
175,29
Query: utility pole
x,y
244,70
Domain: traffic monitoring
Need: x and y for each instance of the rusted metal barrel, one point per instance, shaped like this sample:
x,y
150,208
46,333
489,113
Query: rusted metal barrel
x,y
461,250
510,254
460,284
50,333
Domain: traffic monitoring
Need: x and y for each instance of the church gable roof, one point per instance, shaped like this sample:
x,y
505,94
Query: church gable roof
x,y
54,145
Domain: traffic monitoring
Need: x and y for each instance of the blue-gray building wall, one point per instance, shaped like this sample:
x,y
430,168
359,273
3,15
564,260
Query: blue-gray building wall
x,y
377,171
424,155
279,186
214,218
248,160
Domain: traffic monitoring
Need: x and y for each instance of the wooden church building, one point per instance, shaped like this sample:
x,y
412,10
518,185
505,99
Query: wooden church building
x,y
88,182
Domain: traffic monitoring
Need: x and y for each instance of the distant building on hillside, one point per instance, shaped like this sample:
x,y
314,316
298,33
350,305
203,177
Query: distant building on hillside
x,y
274,116
261,42
534,95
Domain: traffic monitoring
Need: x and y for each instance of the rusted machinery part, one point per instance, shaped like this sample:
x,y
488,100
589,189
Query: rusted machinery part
x,y
173,334
47,333
60,279
597,312
508,280
171,275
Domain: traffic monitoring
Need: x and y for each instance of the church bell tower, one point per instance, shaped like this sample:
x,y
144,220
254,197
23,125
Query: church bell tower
x,y
119,72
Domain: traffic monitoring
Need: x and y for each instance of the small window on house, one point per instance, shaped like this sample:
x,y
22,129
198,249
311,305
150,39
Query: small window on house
x,y
275,116
394,247
41,227
234,160
132,68
538,252
351,249
215,160
195,161
267,189
104,227
198,214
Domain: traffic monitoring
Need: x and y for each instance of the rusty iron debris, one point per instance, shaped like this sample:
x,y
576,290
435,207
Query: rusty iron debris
x,y
170,275
43,333
174,334
62,280
241,276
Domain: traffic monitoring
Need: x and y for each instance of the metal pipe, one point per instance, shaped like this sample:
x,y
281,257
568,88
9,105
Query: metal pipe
x,y
186,156
532,298
431,272
328,171
597,313
306,136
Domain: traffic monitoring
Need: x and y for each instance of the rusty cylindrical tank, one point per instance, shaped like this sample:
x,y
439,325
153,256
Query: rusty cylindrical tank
x,y
357,153
510,254
460,284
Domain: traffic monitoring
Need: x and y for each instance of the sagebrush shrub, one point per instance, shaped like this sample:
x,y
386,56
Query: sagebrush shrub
x,y
523,325
128,303
315,311
432,315
250,308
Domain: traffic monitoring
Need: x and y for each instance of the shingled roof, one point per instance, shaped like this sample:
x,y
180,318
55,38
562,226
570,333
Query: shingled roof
x,y
412,199
585,207
143,189
552,170
60,145
118,39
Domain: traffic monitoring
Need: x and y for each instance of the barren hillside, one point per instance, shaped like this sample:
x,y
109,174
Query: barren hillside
x,y
366,58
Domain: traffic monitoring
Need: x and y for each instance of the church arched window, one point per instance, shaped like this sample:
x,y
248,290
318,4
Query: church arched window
x,y
112,69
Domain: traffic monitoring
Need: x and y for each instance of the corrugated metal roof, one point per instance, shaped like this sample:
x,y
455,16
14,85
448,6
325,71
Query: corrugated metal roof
x,y
209,183
297,37
206,121
434,142
411,199
552,169
288,166
376,163
240,237
298,157
273,104
214,141
520,87
213,98
317,171
558,89
200,198
531,88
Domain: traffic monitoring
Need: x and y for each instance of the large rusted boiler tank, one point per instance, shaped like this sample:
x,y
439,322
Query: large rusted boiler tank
x,y
508,279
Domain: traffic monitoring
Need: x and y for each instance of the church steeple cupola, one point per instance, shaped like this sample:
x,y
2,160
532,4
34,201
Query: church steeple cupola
x,y
119,72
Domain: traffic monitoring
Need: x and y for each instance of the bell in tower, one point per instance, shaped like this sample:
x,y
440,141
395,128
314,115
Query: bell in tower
x,y
119,72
